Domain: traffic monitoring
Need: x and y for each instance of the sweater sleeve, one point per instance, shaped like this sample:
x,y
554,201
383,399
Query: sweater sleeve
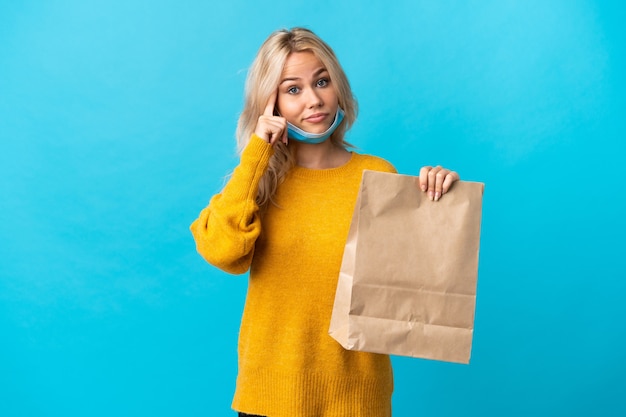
x,y
225,232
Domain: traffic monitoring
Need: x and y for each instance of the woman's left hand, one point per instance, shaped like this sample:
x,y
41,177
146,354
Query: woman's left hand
x,y
436,181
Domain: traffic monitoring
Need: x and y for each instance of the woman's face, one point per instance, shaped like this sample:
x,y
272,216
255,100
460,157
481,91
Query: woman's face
x,y
306,96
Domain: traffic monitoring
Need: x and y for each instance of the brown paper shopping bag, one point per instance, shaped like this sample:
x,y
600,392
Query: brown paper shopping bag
x,y
407,284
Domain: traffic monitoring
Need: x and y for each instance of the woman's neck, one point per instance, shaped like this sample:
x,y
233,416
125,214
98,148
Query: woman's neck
x,y
320,156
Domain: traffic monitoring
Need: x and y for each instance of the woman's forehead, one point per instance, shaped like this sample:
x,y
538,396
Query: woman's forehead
x,y
302,63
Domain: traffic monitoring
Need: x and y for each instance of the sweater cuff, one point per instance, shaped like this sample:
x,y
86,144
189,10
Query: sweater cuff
x,y
257,150
255,159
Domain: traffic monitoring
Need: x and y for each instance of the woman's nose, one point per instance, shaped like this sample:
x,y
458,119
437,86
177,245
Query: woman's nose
x,y
313,98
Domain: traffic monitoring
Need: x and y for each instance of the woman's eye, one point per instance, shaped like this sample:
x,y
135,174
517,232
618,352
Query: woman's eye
x,y
293,90
322,82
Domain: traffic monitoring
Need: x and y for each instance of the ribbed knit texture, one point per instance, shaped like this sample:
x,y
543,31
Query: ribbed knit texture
x,y
288,364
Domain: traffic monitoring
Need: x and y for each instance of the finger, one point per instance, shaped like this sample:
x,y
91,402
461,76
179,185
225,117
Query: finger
x,y
263,128
277,129
271,103
448,181
432,181
439,179
280,130
277,135
423,178
270,128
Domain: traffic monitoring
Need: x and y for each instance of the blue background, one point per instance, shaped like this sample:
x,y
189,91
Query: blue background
x,y
117,124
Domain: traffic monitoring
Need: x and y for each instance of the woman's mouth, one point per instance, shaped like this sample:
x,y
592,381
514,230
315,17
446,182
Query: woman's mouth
x,y
316,118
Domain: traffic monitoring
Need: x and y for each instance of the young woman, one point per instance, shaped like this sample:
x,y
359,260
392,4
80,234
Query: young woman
x,y
284,216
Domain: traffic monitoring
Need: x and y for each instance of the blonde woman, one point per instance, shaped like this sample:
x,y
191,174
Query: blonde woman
x,y
284,217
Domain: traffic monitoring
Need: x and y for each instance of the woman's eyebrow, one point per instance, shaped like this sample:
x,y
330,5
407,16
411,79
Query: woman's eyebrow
x,y
315,74
289,79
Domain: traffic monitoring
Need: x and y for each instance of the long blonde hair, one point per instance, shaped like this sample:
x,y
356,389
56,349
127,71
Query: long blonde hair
x,y
262,82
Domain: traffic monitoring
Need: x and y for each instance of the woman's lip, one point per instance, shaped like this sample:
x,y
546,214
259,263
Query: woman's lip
x,y
316,118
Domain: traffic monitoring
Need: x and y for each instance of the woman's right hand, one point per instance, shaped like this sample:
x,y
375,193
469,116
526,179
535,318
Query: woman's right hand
x,y
271,128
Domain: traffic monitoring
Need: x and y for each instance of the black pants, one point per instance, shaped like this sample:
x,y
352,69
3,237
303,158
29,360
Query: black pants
x,y
248,415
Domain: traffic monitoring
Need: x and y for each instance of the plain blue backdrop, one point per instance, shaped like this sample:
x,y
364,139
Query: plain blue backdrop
x,y
117,124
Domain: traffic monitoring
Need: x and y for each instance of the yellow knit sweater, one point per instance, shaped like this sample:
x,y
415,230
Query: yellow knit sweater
x,y
288,364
